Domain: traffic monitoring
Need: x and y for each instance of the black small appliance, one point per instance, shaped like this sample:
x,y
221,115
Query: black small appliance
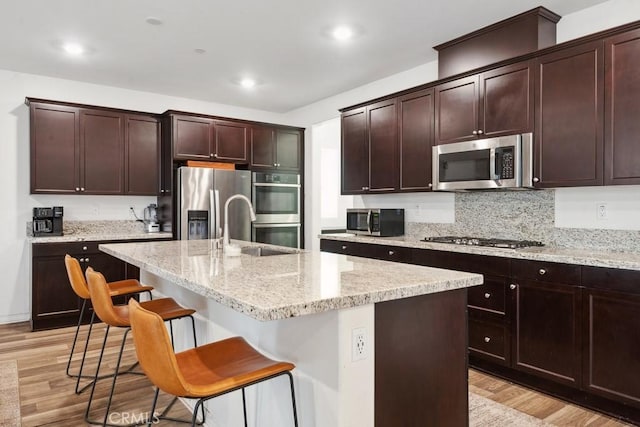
x,y
47,221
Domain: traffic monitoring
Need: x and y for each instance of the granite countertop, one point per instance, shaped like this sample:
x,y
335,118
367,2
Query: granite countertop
x,y
86,231
282,286
610,259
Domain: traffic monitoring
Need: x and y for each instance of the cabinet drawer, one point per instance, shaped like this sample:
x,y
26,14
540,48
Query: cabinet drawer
x,y
546,271
390,253
611,279
339,247
488,296
481,264
488,340
71,248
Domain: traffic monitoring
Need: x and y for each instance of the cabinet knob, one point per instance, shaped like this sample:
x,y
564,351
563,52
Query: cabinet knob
x,y
86,259
84,248
542,271
344,247
278,164
487,295
81,259
480,132
215,156
81,188
77,188
512,286
391,252
162,191
535,179
430,185
211,155
475,132
275,165
487,339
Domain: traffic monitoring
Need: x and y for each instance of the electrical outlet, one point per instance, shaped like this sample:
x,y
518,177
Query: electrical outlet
x,y
601,211
359,345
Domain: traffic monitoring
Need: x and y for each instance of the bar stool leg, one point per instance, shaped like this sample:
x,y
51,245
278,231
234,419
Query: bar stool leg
x,y
244,407
75,338
115,376
95,380
84,355
293,400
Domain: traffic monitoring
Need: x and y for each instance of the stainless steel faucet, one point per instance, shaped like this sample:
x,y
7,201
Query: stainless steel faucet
x,y
225,234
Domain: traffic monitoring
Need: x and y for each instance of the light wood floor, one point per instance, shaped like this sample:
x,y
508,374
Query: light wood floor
x,y
47,395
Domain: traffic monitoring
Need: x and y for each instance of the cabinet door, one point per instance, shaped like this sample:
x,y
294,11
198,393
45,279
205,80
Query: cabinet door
x,y
612,334
569,109
263,152
192,138
506,100
546,335
102,145
457,110
415,139
142,155
288,149
355,152
55,149
383,146
230,141
53,301
622,103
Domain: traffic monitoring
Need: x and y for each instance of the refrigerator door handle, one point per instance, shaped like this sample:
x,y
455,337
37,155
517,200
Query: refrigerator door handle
x,y
216,202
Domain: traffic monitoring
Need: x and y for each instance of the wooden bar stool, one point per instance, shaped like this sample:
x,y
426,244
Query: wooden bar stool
x,y
79,286
118,316
202,372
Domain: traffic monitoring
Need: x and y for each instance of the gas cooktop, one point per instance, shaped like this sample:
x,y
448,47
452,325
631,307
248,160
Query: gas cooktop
x,y
477,241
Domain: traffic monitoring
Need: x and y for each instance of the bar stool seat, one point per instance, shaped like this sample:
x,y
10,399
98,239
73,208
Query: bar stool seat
x,y
112,315
80,287
203,372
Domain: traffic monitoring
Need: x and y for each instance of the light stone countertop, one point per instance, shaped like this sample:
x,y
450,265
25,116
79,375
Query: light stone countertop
x,y
595,258
91,231
282,286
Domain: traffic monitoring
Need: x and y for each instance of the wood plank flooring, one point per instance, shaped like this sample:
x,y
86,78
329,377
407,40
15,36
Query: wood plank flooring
x,y
47,395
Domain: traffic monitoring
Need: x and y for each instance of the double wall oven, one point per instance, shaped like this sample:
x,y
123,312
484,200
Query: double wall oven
x,y
276,200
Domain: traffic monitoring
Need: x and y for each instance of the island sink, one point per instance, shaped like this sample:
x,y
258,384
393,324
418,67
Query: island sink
x,y
262,251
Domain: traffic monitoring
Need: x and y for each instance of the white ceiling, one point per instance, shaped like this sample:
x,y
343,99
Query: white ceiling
x,y
281,43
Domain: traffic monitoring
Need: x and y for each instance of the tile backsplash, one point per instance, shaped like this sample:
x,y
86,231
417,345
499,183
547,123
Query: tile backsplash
x,y
521,215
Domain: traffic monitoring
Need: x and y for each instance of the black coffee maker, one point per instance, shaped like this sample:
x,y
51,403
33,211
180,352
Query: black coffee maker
x,y
47,221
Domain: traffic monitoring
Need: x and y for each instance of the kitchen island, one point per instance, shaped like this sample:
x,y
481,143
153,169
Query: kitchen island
x,y
310,308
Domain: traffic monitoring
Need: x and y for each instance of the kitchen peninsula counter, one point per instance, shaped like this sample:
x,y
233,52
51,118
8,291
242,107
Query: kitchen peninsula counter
x,y
313,309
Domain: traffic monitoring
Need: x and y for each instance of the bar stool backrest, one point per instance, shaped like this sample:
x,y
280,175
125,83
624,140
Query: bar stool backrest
x,y
154,350
101,300
76,278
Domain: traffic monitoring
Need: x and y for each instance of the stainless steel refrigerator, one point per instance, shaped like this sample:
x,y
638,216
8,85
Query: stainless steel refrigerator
x,y
202,193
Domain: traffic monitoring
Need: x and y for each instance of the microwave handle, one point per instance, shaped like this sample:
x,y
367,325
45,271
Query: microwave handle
x,y
493,159
369,221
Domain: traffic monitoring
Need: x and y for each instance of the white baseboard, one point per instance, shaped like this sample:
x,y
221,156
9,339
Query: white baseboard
x,y
15,318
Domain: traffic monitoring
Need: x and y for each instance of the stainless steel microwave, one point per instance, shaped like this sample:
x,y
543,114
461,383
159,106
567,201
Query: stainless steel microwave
x,y
504,162
376,222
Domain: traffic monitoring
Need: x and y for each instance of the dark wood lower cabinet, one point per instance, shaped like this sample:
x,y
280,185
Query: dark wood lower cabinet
x,y
567,330
421,361
53,303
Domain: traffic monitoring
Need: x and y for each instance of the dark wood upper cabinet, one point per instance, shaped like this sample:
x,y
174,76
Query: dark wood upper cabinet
x,y
415,139
192,138
55,148
622,103
383,146
493,103
263,152
142,155
102,145
568,140
355,152
82,150
276,149
230,141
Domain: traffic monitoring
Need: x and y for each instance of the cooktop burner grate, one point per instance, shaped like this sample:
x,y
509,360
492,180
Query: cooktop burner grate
x,y
477,241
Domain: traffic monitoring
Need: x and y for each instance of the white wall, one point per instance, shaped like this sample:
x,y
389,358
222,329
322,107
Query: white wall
x,y
14,173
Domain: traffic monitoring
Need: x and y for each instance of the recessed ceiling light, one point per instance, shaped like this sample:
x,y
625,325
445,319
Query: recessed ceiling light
x,y
342,33
153,21
73,48
247,83
199,51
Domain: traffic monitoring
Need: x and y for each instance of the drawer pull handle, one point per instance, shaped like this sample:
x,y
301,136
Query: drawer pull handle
x,y
542,271
487,339
391,252
84,248
344,247
487,295
512,286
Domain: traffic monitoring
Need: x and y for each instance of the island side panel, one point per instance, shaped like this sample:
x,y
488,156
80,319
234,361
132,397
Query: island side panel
x,y
421,376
